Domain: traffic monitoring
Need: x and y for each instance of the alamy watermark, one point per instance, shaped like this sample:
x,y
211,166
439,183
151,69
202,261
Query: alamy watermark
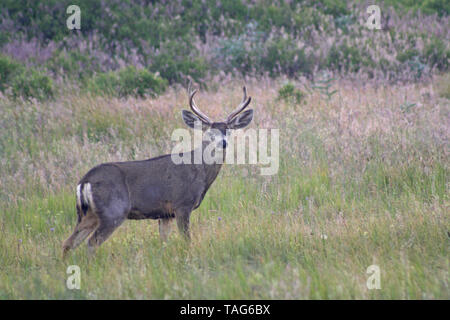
x,y
74,279
374,20
374,280
212,147
74,20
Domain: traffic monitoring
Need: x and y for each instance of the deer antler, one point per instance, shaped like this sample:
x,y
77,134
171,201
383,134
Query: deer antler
x,y
194,107
245,102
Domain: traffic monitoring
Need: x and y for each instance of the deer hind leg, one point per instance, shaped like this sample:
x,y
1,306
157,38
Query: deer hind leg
x,y
112,206
110,219
182,216
165,225
83,229
104,230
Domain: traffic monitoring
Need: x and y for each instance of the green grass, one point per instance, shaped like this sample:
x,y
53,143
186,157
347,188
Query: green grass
x,y
345,197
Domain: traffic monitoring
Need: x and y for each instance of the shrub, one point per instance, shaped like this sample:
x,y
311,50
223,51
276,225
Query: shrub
x,y
325,86
406,55
128,81
250,37
343,22
347,58
284,57
176,61
437,55
177,70
271,15
140,82
306,18
72,64
242,53
253,53
8,69
32,84
441,7
26,83
289,93
336,8
416,67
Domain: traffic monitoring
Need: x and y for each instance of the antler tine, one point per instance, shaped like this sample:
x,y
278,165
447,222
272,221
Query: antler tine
x,y
245,102
194,107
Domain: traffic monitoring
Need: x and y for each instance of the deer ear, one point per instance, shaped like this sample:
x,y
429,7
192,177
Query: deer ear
x,y
242,120
190,119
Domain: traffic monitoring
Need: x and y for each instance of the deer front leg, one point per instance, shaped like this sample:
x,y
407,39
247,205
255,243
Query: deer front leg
x,y
182,217
164,228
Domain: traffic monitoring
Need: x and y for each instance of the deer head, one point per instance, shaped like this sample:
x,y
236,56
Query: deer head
x,y
218,131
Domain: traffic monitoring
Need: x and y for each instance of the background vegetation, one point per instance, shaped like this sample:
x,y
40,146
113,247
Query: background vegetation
x,y
364,146
202,40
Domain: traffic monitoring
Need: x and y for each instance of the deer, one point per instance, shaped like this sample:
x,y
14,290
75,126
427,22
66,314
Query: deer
x,y
156,188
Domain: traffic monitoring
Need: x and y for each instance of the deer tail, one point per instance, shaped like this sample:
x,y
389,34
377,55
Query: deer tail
x,y
84,198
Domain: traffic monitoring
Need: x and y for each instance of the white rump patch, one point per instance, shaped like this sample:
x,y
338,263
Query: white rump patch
x,y
79,196
87,194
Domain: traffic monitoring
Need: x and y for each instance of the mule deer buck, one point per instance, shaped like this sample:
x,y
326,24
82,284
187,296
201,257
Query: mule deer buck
x,y
156,188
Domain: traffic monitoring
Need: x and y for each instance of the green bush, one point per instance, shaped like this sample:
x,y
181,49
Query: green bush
x,y
105,83
283,57
242,53
241,36
305,18
72,64
414,62
177,60
26,83
252,53
8,69
417,67
140,82
32,84
437,55
406,55
126,82
289,93
347,58
273,15
441,7
336,8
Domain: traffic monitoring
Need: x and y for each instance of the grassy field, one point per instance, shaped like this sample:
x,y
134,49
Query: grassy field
x,y
363,180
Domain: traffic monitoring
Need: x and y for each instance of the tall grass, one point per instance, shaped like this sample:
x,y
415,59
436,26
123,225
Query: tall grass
x,y
363,180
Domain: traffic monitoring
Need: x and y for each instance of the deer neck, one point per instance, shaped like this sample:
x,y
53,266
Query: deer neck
x,y
213,169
